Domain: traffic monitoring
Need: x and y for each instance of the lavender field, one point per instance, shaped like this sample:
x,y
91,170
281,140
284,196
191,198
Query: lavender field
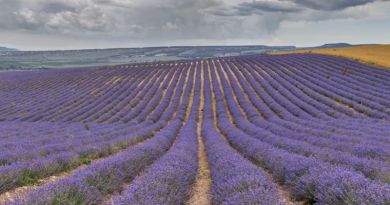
x,y
262,129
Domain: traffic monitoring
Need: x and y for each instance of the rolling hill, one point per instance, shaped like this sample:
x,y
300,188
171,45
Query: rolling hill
x,y
261,129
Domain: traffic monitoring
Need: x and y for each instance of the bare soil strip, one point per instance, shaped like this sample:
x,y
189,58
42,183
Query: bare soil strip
x,y
201,190
10,196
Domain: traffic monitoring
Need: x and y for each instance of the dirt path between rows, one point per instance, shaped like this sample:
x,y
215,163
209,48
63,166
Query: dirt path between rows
x,y
12,195
201,190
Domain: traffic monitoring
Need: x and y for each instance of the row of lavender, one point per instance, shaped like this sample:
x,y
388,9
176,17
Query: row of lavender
x,y
295,164
234,179
90,185
308,181
307,87
170,178
47,149
330,148
56,96
276,112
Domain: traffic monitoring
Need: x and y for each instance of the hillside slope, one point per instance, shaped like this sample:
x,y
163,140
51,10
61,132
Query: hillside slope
x,y
261,129
7,49
378,55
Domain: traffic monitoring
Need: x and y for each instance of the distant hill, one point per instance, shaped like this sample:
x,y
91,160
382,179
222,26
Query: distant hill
x,y
20,60
335,45
7,49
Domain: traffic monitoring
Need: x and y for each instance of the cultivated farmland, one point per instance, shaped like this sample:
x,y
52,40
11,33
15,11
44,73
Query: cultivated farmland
x,y
372,54
264,129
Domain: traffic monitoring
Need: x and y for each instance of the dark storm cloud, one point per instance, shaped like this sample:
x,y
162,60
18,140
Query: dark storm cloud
x,y
165,20
158,19
53,16
287,6
138,18
330,4
269,6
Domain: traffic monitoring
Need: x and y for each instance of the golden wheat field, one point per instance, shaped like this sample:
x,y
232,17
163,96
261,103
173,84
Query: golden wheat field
x,y
372,54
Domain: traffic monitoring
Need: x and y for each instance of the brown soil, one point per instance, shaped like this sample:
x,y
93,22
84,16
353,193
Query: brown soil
x,y
200,193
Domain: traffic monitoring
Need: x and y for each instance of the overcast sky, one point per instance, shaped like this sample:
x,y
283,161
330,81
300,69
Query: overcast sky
x,y
74,24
